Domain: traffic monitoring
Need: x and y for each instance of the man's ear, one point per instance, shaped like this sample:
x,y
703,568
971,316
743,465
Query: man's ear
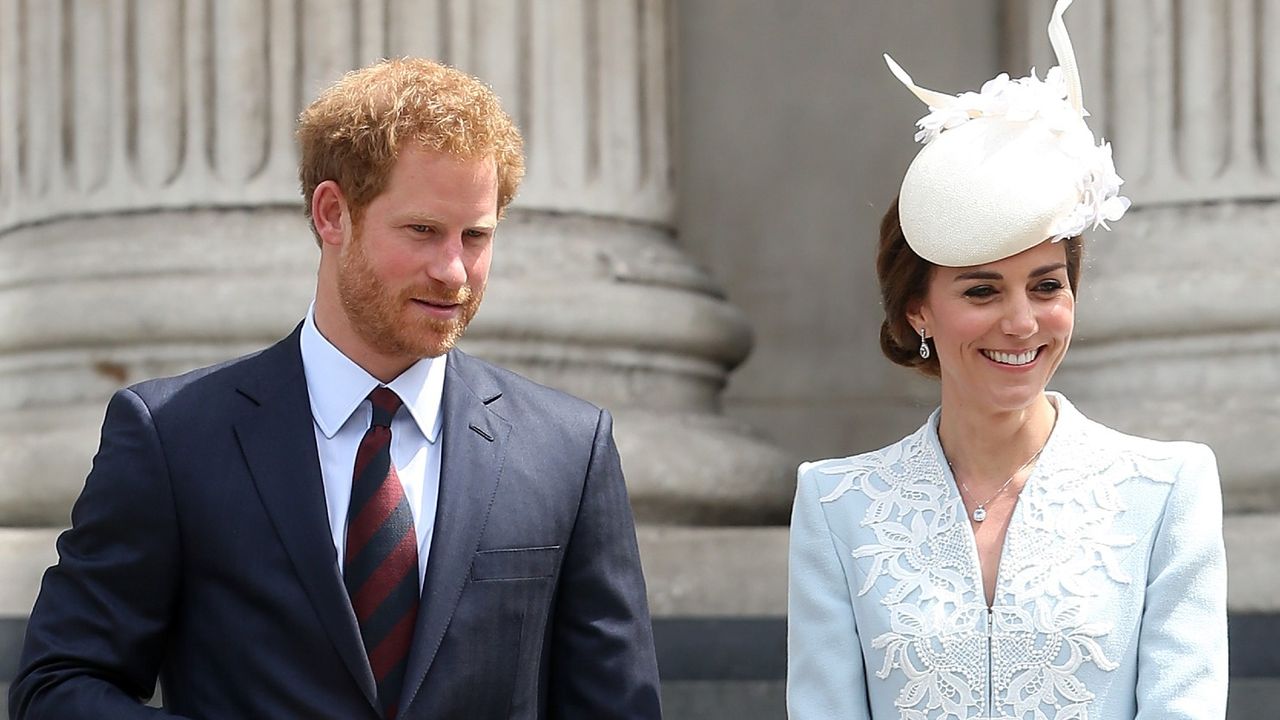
x,y
330,213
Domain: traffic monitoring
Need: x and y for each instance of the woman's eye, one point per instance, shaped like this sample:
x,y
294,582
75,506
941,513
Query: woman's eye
x,y
980,291
1049,286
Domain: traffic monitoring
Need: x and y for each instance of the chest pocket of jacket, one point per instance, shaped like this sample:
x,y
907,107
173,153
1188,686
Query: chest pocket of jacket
x,y
515,563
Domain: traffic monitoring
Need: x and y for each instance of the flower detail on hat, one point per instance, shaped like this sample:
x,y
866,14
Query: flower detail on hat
x,y
1100,198
1024,100
1021,100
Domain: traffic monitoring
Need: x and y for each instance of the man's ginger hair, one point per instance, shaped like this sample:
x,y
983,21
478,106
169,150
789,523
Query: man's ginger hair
x,y
353,133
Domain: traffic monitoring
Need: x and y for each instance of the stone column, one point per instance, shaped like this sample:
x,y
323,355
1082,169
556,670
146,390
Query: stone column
x,y
150,222
590,292
1178,326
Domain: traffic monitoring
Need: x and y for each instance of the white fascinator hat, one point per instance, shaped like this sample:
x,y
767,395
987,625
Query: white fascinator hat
x,y
1008,167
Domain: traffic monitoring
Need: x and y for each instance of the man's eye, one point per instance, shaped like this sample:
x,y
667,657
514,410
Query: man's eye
x,y
477,233
980,291
420,228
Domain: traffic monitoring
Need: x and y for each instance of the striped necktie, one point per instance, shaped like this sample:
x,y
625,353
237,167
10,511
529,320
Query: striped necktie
x,y
380,565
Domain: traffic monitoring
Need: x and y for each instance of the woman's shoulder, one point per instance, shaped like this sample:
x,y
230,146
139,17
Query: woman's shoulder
x,y
1112,441
835,466
1093,445
831,478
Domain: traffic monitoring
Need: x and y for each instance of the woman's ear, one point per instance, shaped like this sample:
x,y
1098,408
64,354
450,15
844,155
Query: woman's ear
x,y
330,213
918,315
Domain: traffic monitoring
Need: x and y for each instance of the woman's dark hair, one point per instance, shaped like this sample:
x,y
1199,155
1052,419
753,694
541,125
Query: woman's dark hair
x,y
904,278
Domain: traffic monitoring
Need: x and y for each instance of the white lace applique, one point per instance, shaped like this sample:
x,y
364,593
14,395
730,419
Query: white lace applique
x,y
1059,546
907,476
913,519
942,656
1035,657
1067,518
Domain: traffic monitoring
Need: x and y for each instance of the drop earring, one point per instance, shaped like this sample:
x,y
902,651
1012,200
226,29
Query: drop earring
x,y
924,345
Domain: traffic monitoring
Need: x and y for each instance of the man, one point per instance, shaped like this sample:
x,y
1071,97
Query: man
x,y
360,521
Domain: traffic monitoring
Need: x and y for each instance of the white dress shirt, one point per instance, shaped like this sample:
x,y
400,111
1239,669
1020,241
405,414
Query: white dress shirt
x,y
341,413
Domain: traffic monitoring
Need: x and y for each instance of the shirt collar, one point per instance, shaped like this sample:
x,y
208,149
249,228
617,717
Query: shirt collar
x,y
337,385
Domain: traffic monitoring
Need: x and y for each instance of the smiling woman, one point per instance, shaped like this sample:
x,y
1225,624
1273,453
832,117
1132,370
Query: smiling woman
x,y
999,330
904,279
1011,558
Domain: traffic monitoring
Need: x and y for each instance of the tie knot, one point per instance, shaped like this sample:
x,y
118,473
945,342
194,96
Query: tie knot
x,y
385,404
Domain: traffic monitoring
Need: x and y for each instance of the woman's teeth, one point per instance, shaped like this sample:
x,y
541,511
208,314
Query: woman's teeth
x,y
1005,358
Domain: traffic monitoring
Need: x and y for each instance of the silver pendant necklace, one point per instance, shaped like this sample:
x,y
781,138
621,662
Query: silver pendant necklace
x,y
980,511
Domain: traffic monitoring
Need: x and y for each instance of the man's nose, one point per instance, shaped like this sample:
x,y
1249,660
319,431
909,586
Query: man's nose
x,y
445,265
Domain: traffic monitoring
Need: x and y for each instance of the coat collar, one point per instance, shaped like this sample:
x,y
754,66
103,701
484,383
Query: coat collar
x,y
279,445
472,456
1058,450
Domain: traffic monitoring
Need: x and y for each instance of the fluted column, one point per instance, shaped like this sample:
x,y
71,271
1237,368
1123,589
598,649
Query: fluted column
x,y
1179,330
150,222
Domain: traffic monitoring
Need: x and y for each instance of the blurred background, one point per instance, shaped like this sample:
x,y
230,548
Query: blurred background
x,y
693,248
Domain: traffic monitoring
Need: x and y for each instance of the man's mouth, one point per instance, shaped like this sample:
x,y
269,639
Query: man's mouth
x,y
1024,357
438,307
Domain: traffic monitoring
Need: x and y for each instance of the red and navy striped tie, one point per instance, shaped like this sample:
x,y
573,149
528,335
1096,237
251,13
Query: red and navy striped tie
x,y
380,565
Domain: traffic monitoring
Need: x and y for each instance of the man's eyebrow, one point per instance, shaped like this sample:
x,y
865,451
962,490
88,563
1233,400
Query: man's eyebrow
x,y
427,219
420,219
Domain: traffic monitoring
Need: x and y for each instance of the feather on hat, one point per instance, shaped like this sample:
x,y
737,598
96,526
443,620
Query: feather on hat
x,y
1008,167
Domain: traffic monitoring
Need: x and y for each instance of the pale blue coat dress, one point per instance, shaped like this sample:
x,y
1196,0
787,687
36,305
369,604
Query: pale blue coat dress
x,y
1110,600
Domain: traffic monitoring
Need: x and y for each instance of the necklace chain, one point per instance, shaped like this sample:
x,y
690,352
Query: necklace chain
x,y
980,511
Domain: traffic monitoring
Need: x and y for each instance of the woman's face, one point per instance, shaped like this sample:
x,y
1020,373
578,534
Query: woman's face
x,y
1001,329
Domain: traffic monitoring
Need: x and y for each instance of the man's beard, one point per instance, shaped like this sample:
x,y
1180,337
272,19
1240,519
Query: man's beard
x,y
382,315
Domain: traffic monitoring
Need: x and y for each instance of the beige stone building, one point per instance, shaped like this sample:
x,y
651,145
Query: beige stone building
x,y
693,248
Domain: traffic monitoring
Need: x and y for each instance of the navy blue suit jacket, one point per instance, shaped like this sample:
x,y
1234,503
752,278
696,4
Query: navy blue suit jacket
x,y
200,553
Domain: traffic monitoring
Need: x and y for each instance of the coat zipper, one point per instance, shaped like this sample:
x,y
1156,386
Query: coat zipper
x,y
990,678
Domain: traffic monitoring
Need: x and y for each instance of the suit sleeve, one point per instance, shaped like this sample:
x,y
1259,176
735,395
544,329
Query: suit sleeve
x,y
603,663
1182,644
96,636
825,673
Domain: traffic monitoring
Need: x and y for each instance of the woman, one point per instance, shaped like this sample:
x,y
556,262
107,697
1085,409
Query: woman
x,y
1011,558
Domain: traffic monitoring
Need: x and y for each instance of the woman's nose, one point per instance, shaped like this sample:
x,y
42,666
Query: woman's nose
x,y
1019,318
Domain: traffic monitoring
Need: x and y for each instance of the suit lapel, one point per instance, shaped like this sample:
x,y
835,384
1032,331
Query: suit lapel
x,y
472,454
280,448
